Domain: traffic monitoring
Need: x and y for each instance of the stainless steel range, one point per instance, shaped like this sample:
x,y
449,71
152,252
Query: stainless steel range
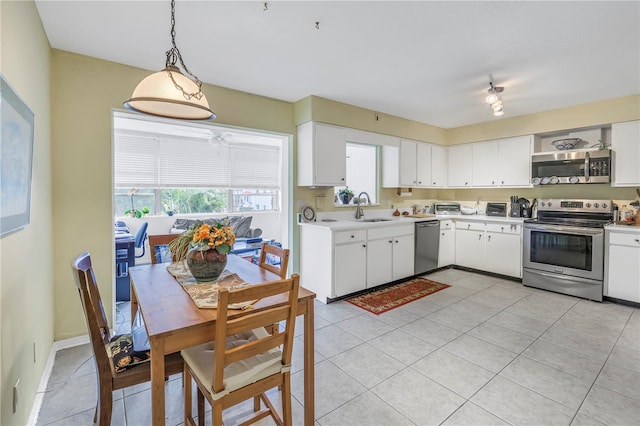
x,y
564,247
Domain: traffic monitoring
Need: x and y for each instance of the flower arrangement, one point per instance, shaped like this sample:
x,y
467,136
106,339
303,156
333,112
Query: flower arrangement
x,y
203,237
133,212
345,192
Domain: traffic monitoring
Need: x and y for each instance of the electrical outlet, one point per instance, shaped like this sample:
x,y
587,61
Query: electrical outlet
x,y
16,395
302,203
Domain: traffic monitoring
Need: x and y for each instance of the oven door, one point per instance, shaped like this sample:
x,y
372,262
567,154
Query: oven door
x,y
565,250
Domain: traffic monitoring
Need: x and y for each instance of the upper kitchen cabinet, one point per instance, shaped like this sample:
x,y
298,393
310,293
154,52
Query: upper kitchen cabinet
x,y
514,161
460,165
413,165
484,163
321,155
625,144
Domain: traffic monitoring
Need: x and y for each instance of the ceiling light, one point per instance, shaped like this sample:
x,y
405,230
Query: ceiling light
x,y
493,98
498,113
169,93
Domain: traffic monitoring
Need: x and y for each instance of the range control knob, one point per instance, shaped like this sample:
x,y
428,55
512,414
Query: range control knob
x,y
549,204
542,204
604,205
588,205
596,205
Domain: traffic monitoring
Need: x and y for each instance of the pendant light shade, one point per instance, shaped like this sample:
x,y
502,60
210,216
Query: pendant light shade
x,y
170,93
157,95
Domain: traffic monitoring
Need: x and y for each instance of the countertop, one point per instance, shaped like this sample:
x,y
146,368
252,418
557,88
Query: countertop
x,y
339,222
627,229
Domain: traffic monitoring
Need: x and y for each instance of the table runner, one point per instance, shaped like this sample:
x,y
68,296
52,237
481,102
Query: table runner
x,y
205,295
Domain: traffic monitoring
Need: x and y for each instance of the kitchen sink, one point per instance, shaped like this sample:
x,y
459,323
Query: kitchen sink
x,y
377,219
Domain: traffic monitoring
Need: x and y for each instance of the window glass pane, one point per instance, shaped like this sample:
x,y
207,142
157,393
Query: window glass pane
x,y
362,172
255,199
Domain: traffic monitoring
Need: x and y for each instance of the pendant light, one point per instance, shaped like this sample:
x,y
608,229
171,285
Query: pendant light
x,y
169,93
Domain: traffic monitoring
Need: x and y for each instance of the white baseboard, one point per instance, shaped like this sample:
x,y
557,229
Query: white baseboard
x,y
44,380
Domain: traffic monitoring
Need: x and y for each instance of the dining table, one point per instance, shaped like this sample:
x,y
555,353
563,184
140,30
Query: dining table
x,y
174,322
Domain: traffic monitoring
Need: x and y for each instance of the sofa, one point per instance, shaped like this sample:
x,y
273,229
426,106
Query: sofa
x,y
241,225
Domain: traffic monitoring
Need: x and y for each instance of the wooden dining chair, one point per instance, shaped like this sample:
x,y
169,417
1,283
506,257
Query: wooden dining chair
x,y
158,241
117,364
279,252
244,361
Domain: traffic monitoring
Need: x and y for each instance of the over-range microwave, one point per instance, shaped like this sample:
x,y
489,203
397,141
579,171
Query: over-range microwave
x,y
570,167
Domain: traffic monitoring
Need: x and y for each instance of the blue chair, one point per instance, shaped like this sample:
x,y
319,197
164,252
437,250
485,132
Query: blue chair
x,y
140,238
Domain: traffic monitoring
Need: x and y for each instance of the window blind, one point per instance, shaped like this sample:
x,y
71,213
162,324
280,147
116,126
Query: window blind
x,y
161,162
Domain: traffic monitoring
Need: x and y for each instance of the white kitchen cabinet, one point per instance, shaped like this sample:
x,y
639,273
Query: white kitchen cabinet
x,y
484,163
390,253
447,247
321,155
438,166
514,161
491,247
350,260
414,165
470,244
459,165
503,249
622,265
625,144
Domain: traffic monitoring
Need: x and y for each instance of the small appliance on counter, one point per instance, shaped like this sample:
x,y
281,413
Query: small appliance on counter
x,y
496,209
449,208
520,207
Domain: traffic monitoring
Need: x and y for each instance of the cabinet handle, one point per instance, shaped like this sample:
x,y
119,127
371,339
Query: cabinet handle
x,y
419,182
637,240
342,179
468,226
466,183
353,236
489,238
434,183
502,228
364,245
502,182
443,234
396,241
479,237
493,182
390,241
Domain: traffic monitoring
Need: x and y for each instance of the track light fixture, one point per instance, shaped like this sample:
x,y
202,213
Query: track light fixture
x,y
493,98
170,93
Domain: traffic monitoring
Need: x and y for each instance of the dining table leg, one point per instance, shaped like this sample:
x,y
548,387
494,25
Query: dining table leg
x,y
309,365
134,305
157,381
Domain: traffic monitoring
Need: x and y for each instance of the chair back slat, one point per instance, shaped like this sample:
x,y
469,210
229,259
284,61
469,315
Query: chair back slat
x,y
225,326
281,253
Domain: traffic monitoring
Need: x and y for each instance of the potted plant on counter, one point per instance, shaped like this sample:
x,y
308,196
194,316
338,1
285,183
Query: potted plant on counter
x,y
345,195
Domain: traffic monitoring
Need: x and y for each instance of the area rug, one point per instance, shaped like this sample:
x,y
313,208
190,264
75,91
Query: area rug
x,y
388,298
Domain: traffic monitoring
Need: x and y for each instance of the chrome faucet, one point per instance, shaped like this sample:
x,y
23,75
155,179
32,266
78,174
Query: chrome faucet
x,y
359,212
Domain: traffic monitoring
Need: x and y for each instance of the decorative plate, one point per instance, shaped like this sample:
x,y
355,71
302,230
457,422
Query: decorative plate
x,y
308,214
564,144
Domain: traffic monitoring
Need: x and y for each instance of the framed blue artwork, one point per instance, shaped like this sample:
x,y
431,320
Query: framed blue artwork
x,y
16,152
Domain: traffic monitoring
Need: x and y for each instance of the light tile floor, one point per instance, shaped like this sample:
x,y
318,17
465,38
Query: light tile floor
x,y
485,351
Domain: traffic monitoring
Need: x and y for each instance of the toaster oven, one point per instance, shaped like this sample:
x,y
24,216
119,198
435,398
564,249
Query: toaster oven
x,y
496,209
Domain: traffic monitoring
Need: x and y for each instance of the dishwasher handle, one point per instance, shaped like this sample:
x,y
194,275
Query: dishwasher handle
x,y
428,224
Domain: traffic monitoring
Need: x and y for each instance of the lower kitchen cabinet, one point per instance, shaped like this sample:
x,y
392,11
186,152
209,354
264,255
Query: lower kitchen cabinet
x,y
389,254
350,267
491,247
622,265
504,249
470,247
447,247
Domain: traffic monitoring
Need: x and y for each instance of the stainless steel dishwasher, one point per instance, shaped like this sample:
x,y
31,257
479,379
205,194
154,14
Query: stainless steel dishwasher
x,y
427,245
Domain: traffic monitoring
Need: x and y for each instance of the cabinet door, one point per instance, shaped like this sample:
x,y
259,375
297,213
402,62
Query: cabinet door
x,y
379,261
459,165
447,249
623,279
625,144
408,176
514,161
438,166
330,155
350,268
485,163
423,164
403,256
390,166
504,254
470,248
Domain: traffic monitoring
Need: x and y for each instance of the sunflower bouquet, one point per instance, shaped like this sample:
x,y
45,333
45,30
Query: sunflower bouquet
x,y
202,237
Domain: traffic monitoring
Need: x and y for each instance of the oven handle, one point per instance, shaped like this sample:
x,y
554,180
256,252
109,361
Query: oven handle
x,y
565,229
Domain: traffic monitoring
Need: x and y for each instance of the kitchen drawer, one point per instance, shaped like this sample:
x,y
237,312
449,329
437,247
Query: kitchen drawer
x,y
446,224
505,228
350,236
624,239
390,231
471,226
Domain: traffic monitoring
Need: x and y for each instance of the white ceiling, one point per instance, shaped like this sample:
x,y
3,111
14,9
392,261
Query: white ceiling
x,y
427,61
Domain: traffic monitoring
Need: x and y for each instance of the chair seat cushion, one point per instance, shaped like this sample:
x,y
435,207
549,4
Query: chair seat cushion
x,y
237,374
122,354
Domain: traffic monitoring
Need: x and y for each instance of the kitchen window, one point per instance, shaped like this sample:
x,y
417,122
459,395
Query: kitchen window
x,y
362,171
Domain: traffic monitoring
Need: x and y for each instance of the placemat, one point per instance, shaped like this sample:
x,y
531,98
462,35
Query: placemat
x,y
205,295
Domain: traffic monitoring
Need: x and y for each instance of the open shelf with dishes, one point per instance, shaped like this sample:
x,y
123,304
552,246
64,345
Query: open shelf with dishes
x,y
584,139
